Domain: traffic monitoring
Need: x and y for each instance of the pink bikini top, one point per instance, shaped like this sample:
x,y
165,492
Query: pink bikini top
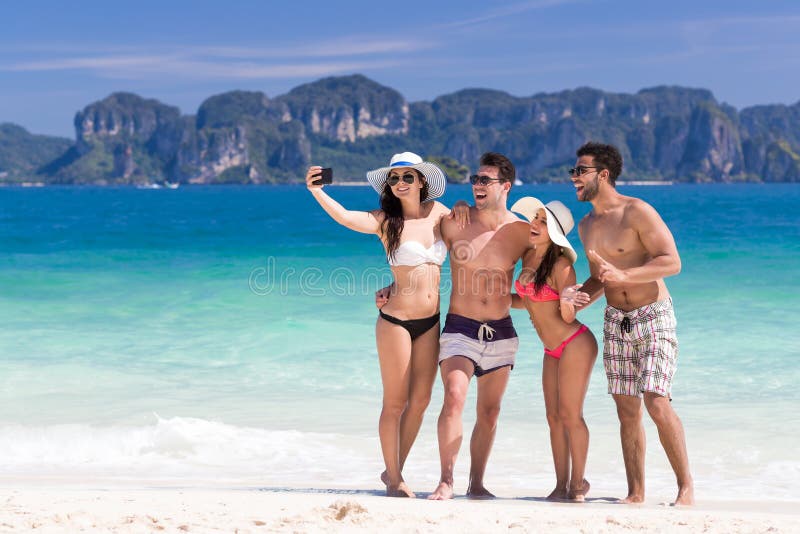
x,y
543,295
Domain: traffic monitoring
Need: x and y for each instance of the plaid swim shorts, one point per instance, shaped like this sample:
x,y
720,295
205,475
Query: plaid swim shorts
x,y
640,349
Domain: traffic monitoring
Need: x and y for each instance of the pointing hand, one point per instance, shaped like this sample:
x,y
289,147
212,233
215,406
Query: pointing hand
x,y
606,272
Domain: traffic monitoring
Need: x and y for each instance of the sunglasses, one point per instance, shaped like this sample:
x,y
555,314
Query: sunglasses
x,y
581,170
394,179
483,179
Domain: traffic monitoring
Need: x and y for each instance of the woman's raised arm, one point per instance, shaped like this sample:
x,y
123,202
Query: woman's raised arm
x,y
366,222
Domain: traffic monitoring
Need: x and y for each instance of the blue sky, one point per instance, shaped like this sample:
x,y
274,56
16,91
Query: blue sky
x,y
56,57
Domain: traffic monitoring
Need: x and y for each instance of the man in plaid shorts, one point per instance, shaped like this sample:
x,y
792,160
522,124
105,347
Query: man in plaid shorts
x,y
630,252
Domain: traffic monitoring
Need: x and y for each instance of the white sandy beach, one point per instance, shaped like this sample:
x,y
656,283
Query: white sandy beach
x,y
164,509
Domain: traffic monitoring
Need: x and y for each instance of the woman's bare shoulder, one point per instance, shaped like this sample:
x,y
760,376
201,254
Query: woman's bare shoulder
x,y
563,272
437,208
379,214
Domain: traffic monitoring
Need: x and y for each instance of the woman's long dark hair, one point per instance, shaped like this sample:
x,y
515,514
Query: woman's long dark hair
x,y
546,267
393,221
540,275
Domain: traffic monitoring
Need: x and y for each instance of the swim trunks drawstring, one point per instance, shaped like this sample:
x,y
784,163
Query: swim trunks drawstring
x,y
485,332
625,325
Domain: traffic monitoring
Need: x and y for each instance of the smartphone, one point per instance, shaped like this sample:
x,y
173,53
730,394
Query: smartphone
x,y
325,178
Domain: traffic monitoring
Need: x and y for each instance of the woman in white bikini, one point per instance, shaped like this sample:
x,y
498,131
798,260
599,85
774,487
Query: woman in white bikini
x,y
570,347
407,331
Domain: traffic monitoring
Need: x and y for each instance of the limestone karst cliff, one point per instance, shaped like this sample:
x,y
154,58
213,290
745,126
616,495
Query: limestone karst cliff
x,y
353,123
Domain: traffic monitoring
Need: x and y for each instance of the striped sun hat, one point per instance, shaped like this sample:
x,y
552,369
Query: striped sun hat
x,y
433,174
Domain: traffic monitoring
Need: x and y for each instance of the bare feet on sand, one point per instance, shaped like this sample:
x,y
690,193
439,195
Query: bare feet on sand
x,y
685,496
479,492
579,494
442,492
632,499
558,494
401,490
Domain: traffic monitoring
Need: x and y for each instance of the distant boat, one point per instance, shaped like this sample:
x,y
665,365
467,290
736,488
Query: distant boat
x,y
517,182
157,185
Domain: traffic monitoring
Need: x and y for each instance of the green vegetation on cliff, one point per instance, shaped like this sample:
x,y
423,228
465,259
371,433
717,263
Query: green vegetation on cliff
x,y
23,154
354,124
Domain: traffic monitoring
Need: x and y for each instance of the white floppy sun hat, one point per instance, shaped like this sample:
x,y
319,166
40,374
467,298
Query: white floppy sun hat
x,y
433,174
559,221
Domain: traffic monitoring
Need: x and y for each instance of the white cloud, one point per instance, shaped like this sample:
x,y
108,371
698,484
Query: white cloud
x,y
362,46
771,21
215,62
337,48
507,11
137,67
309,58
88,63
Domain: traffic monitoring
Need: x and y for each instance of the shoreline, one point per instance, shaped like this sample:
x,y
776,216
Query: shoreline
x,y
250,509
644,182
44,185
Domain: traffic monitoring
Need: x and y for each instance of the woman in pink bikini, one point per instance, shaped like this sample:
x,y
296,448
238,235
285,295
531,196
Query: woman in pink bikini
x,y
570,348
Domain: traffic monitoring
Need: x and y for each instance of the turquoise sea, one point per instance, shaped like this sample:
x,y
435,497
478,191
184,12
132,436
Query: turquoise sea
x,y
224,335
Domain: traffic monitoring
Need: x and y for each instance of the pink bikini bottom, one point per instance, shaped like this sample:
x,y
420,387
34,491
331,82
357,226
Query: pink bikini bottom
x,y
556,352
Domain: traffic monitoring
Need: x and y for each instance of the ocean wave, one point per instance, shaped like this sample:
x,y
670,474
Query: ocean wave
x,y
197,452
181,448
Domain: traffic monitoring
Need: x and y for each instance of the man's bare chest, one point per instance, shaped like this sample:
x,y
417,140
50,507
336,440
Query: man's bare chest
x,y
493,250
612,239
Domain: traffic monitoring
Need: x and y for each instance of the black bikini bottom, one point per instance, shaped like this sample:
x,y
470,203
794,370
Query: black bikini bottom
x,y
414,327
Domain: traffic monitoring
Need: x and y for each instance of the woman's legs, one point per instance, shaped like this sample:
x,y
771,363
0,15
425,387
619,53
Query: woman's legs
x,y
574,371
424,358
394,354
558,438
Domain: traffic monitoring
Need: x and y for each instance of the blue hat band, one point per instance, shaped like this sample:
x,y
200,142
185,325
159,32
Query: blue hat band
x,y
402,164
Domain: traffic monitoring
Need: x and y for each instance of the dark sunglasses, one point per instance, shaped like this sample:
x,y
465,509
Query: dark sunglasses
x,y
408,178
483,179
581,170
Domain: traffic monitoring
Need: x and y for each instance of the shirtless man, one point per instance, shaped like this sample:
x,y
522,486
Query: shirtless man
x,y
478,338
630,252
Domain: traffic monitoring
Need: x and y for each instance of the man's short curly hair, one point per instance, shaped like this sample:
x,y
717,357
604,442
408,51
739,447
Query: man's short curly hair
x,y
605,156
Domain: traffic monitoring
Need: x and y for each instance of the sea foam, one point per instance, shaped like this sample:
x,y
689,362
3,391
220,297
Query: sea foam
x,y
179,448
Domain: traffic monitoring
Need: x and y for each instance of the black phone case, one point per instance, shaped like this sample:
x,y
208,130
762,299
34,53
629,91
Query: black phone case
x,y
326,177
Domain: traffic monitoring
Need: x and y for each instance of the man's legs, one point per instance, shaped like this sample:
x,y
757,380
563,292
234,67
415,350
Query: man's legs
x,y
456,374
670,432
491,388
631,432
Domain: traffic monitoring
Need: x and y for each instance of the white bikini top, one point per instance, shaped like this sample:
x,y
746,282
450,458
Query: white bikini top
x,y
413,253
